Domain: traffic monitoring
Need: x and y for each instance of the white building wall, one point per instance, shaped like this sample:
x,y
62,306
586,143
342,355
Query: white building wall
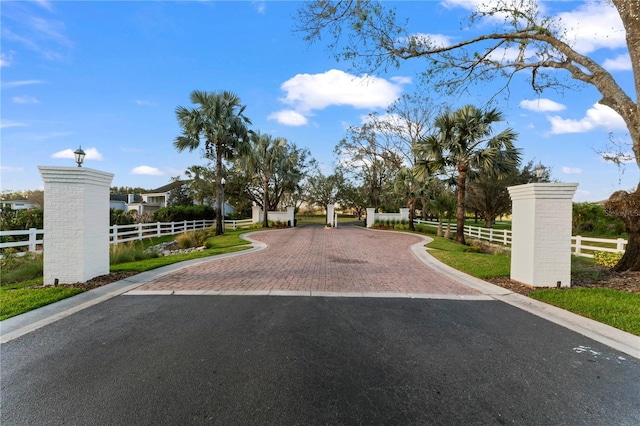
x,y
76,223
541,226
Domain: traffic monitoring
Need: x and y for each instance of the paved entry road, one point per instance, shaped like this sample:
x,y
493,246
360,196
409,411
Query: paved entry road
x,y
269,360
312,258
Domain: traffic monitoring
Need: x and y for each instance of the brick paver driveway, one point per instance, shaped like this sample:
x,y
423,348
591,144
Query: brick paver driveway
x,y
317,261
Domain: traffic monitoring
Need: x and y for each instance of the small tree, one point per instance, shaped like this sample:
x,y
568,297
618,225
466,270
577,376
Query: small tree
x,y
219,119
464,141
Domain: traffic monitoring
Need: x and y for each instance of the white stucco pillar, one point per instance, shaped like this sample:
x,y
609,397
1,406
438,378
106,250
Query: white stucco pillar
x,y
256,214
541,239
291,216
371,216
76,223
330,212
404,214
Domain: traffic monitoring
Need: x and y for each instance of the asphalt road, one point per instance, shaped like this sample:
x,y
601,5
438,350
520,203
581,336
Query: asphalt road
x,y
181,360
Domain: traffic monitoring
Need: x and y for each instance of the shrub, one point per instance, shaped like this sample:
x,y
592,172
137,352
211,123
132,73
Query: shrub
x,y
606,258
186,240
128,252
21,219
23,268
120,217
180,213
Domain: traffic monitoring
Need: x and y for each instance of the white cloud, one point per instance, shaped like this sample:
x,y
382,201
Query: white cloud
x,y
25,100
260,6
20,83
145,103
401,80
571,170
541,105
9,169
619,63
288,117
6,59
90,154
435,40
592,26
309,92
5,124
597,117
146,170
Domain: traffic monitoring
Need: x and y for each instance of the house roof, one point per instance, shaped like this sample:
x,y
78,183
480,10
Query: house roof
x,y
168,187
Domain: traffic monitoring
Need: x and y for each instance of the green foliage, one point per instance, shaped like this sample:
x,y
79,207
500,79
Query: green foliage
x,y
607,259
180,213
129,252
21,219
120,217
21,268
616,308
592,218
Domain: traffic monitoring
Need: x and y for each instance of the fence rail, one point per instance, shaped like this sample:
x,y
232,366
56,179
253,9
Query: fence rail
x,y
139,231
504,237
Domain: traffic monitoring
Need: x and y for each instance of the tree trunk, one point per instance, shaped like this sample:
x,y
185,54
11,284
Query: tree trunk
x,y
412,211
626,206
219,224
462,181
265,201
439,231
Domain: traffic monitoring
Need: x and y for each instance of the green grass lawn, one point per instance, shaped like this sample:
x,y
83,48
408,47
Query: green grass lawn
x,y
18,295
615,308
479,265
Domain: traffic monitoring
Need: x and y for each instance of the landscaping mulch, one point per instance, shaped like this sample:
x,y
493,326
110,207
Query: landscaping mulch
x,y
622,281
101,280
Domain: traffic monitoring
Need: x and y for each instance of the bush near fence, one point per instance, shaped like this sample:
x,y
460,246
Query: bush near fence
x,y
180,213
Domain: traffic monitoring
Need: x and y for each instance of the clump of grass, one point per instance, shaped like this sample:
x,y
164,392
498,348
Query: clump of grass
x,y
126,252
21,268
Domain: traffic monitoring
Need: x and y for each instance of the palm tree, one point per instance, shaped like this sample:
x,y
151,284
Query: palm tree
x,y
464,142
263,160
219,119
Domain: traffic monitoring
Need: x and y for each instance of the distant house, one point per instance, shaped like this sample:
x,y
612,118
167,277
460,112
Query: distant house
x,y
16,205
149,202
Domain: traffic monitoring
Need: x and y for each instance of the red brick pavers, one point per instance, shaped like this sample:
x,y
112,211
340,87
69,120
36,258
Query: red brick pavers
x,y
317,260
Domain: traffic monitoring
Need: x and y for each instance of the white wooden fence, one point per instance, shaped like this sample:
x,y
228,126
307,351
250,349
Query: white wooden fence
x,y
120,233
503,236
139,231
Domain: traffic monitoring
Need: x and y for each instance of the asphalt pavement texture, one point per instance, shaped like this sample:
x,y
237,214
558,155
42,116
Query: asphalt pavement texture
x,y
266,360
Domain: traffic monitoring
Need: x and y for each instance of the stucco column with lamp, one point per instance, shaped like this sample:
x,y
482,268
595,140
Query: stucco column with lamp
x,y
76,223
541,233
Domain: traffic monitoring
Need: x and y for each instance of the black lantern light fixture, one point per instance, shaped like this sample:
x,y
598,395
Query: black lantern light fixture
x,y
79,153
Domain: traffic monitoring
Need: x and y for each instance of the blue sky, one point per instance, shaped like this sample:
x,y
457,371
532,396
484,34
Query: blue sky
x,y
109,75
